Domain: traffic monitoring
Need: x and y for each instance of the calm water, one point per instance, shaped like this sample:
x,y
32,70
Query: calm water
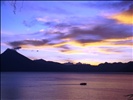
x,y
65,86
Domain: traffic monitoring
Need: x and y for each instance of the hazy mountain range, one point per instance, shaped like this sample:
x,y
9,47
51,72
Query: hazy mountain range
x,y
11,60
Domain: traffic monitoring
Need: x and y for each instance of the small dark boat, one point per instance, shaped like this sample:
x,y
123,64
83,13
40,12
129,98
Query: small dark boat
x,y
83,83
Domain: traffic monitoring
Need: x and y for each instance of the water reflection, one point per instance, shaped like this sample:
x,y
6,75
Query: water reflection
x,y
10,86
64,86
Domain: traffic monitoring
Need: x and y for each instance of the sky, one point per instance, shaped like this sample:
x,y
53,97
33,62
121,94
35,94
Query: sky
x,y
90,32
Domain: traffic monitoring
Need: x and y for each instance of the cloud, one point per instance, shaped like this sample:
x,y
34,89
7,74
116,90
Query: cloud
x,y
124,42
108,29
64,48
62,25
17,48
58,22
121,11
28,42
45,21
124,17
82,41
82,35
129,11
110,50
77,36
99,33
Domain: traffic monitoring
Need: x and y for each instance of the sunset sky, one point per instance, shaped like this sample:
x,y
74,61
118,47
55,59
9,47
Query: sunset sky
x,y
89,32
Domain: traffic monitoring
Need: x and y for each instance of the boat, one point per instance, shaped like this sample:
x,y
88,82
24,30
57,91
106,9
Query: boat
x,y
83,83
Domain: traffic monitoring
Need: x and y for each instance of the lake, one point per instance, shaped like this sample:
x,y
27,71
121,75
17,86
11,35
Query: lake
x,y
65,86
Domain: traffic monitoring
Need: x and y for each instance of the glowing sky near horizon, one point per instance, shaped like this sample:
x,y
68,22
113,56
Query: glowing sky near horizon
x,y
89,32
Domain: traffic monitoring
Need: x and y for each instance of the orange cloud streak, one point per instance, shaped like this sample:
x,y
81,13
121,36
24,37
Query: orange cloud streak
x,y
123,18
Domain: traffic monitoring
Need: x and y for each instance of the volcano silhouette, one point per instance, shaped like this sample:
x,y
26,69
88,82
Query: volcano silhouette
x,y
12,60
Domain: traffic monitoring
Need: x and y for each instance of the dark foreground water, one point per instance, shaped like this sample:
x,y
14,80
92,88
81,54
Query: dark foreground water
x,y
65,86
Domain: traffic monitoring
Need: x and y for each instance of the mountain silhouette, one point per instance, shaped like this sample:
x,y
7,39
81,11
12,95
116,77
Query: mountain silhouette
x,y
11,60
